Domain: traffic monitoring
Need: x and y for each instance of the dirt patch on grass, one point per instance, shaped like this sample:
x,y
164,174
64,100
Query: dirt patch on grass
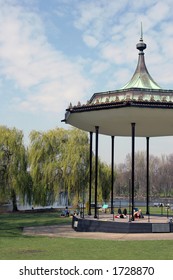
x,y
66,231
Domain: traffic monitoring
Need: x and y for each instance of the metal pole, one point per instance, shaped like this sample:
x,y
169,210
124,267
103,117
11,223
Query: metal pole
x,y
96,169
112,178
83,198
133,166
147,176
129,198
90,175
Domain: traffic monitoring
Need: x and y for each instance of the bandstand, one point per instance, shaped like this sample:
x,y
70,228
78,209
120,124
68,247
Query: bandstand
x,y
139,109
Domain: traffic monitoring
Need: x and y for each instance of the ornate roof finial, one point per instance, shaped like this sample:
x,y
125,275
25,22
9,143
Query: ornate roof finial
x,y
141,45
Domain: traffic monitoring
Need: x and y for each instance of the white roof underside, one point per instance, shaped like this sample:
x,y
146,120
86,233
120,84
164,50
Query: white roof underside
x,y
150,122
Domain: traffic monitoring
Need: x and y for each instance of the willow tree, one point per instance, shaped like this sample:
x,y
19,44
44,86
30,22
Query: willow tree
x,y
76,163
57,161
44,155
105,180
14,178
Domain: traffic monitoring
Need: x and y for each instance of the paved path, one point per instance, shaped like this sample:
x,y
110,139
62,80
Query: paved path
x,y
66,231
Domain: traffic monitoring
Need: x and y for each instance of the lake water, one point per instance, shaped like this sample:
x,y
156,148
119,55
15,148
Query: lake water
x,y
118,203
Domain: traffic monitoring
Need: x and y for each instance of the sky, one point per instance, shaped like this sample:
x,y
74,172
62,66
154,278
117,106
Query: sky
x,y
53,52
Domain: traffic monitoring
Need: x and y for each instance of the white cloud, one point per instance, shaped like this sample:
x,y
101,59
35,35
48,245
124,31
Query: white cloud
x,y
46,78
161,10
99,67
95,18
90,40
119,78
113,53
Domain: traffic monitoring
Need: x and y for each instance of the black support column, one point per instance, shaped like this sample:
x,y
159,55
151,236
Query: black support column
x,y
90,172
112,177
133,168
147,176
96,168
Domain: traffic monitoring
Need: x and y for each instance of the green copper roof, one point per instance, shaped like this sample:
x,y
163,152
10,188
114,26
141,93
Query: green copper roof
x,y
141,77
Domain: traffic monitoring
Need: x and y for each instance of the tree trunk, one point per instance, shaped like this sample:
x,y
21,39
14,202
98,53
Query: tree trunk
x,y
14,200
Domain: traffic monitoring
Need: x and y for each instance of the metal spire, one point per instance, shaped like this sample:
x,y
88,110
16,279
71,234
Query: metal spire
x,y
141,32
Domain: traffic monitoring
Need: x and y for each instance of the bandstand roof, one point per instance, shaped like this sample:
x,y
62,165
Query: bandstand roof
x,y
140,101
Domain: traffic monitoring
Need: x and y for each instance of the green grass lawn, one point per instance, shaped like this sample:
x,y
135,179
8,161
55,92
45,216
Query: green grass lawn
x,y
15,246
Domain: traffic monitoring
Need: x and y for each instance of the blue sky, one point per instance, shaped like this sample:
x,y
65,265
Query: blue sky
x,y
60,51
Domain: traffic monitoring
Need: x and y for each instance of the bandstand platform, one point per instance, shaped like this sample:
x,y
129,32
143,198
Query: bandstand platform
x,y
107,223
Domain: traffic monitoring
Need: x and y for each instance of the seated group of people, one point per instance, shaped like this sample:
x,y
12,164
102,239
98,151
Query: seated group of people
x,y
67,213
121,214
137,214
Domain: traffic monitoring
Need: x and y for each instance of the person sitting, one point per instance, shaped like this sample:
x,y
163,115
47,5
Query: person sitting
x,y
66,211
125,212
119,211
138,214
